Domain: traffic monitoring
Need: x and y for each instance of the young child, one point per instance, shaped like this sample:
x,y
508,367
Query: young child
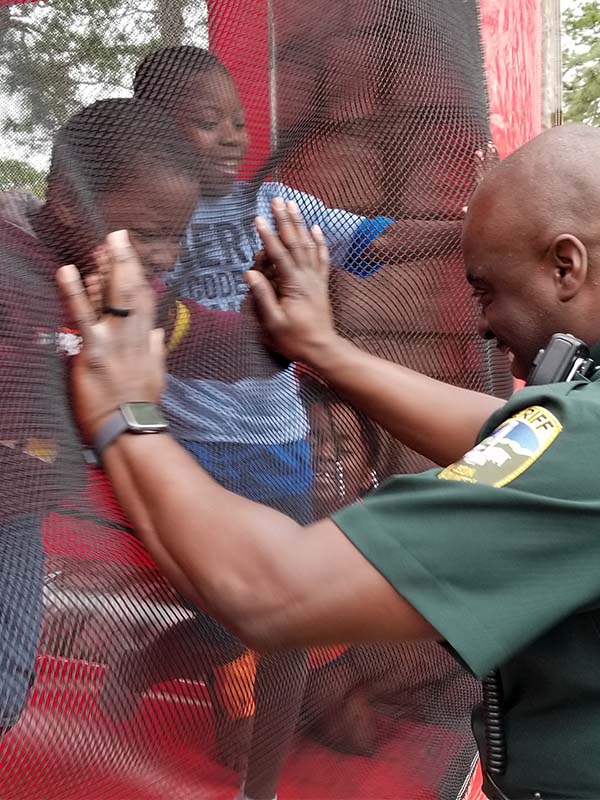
x,y
116,164
252,436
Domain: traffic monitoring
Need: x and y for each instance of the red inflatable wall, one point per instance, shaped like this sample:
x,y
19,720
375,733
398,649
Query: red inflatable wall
x,y
512,39
511,30
512,36
239,35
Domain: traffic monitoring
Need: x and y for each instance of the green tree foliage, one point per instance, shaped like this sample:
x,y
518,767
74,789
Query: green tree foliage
x,y
20,174
581,62
58,55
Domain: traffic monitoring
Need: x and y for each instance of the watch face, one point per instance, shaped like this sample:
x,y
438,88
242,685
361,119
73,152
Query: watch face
x,y
144,415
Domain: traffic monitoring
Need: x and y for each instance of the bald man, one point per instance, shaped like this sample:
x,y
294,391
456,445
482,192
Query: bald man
x,y
497,554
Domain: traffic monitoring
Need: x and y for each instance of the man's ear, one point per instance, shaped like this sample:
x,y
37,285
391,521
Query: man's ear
x,y
570,261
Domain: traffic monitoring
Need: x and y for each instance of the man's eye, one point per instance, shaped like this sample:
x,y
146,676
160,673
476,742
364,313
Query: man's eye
x,y
206,125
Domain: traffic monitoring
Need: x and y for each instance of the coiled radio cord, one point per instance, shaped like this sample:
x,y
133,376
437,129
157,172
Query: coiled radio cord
x,y
495,735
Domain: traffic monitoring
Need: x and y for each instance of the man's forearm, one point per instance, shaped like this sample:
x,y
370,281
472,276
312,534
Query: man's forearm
x,y
436,419
271,581
137,514
217,548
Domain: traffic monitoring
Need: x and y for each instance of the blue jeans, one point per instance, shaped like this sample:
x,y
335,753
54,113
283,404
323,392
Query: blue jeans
x,y
279,475
21,607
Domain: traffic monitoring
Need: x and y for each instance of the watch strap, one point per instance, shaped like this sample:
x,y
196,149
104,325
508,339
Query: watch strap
x,y
114,426
125,419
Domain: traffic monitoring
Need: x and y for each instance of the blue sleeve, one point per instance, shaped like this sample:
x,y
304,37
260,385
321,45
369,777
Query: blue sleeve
x,y
348,235
366,233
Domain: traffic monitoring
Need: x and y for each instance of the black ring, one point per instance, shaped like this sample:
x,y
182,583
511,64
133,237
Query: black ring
x,y
116,311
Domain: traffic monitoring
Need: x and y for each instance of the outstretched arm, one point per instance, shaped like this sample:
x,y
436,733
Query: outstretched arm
x,y
436,419
411,239
273,582
361,245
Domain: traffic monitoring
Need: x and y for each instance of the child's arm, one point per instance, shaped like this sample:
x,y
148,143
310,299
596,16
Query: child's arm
x,y
219,345
410,240
361,245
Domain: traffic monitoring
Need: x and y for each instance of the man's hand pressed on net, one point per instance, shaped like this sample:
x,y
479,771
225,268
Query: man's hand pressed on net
x,y
294,303
290,289
123,357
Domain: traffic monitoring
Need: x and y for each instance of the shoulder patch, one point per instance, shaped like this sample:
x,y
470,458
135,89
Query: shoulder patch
x,y
510,450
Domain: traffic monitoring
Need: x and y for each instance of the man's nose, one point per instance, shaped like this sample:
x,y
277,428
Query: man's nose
x,y
231,134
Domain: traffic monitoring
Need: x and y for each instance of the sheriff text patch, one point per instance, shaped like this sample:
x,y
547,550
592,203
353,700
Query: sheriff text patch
x,y
511,449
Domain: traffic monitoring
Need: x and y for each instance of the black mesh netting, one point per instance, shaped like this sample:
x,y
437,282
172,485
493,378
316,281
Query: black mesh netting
x,y
369,113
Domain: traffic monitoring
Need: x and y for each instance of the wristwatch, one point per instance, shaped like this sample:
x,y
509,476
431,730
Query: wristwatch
x,y
130,418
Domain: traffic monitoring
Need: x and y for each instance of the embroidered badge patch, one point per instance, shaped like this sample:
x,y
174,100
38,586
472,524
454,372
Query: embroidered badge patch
x,y
510,450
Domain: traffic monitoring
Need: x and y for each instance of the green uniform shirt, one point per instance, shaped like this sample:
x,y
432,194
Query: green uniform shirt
x,y
501,554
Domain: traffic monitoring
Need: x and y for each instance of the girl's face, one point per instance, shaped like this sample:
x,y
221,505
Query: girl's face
x,y
212,117
342,455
